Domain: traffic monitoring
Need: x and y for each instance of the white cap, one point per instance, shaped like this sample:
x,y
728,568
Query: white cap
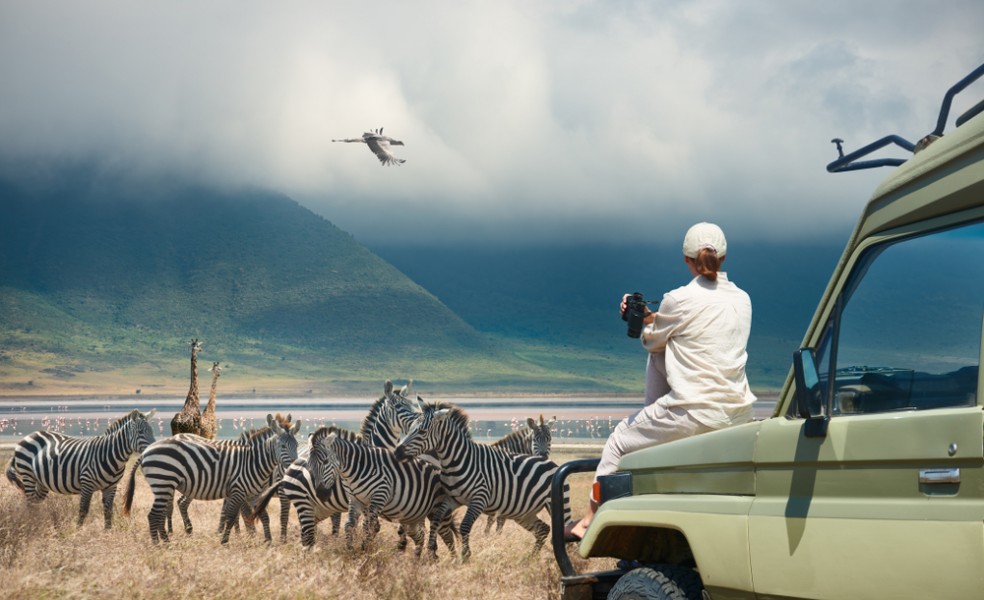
x,y
704,235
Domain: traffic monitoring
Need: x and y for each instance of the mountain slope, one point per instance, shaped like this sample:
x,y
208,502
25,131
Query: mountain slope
x,y
568,296
94,277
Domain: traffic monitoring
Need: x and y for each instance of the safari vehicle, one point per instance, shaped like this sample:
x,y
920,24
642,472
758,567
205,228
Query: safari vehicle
x,y
868,479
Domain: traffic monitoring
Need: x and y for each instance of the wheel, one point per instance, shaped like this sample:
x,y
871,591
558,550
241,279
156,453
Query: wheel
x,y
662,582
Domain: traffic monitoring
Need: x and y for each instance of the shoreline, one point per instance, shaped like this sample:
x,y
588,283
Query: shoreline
x,y
307,395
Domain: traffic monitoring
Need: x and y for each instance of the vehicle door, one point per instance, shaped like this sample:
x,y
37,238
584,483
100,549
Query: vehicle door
x,y
884,495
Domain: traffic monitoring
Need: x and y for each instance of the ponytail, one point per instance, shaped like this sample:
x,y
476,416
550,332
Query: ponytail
x,y
707,263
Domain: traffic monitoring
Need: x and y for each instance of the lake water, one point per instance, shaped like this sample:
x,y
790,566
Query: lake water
x,y
578,419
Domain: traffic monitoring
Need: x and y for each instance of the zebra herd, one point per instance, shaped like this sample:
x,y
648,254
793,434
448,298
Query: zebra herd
x,y
412,463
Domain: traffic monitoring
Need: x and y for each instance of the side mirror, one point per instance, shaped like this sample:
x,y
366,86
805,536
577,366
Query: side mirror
x,y
809,392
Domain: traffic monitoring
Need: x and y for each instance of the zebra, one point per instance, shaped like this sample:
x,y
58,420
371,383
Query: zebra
x,y
407,492
184,502
383,425
315,495
483,478
203,469
320,495
46,461
275,478
535,439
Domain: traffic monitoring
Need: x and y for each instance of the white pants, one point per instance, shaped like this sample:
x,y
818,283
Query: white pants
x,y
654,424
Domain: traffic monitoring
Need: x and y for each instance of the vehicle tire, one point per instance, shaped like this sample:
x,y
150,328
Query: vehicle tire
x,y
662,582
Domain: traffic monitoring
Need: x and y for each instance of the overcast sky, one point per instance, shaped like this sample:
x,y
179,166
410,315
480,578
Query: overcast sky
x,y
523,121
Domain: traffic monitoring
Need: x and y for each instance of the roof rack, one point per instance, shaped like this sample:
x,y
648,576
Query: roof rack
x,y
850,162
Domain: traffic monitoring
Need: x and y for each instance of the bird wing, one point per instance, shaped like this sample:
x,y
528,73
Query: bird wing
x,y
350,140
380,146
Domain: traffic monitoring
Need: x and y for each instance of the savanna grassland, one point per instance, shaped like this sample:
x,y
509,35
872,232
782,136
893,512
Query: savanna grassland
x,y
44,555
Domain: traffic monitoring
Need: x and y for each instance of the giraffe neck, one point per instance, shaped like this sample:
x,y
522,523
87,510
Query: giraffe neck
x,y
211,394
192,399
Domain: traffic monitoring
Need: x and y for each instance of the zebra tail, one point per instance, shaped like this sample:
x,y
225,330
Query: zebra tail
x,y
130,488
261,503
12,475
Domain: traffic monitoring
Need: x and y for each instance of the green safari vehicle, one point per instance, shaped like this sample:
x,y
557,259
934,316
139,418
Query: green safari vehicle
x,y
867,481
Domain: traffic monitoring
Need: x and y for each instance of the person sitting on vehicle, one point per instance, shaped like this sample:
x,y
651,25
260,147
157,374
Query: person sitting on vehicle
x,y
695,374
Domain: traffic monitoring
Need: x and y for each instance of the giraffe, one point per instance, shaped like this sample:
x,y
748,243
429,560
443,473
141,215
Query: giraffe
x,y
189,420
209,428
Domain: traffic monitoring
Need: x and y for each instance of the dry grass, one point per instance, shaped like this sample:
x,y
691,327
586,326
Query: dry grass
x,y
43,554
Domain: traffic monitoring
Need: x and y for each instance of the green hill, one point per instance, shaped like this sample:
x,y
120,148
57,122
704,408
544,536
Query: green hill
x,y
564,297
103,287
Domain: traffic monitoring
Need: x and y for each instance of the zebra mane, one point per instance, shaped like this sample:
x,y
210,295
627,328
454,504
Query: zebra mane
x,y
457,417
373,417
119,423
252,432
345,434
519,434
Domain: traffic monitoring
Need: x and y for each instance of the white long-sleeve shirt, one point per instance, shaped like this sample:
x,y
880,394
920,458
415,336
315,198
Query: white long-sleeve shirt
x,y
703,328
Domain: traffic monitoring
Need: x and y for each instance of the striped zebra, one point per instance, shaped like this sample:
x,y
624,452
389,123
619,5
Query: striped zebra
x,y
48,461
316,496
407,492
203,469
535,439
483,478
320,495
184,502
385,423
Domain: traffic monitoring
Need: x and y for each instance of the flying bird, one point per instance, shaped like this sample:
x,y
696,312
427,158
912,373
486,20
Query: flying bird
x,y
380,146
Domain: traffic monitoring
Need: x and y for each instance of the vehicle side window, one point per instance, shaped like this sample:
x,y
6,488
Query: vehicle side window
x,y
909,330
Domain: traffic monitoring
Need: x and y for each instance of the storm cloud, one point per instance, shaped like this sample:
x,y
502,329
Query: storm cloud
x,y
523,121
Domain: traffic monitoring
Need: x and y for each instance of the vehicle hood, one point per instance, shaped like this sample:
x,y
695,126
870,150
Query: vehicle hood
x,y
717,462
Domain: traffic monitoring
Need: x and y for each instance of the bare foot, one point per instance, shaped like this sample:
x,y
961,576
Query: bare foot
x,y
574,532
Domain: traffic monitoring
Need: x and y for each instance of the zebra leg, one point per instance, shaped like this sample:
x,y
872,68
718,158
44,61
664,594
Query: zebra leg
x,y
401,546
84,500
336,522
499,523
355,511
309,525
538,528
416,533
370,524
183,503
170,522
163,506
230,513
446,530
284,514
474,512
367,528
109,495
250,527
440,518
264,518
488,524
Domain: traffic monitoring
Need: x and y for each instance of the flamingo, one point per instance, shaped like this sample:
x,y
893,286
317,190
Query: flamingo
x,y
380,146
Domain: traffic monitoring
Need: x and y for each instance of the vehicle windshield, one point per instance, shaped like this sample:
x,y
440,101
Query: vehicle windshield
x,y
910,324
